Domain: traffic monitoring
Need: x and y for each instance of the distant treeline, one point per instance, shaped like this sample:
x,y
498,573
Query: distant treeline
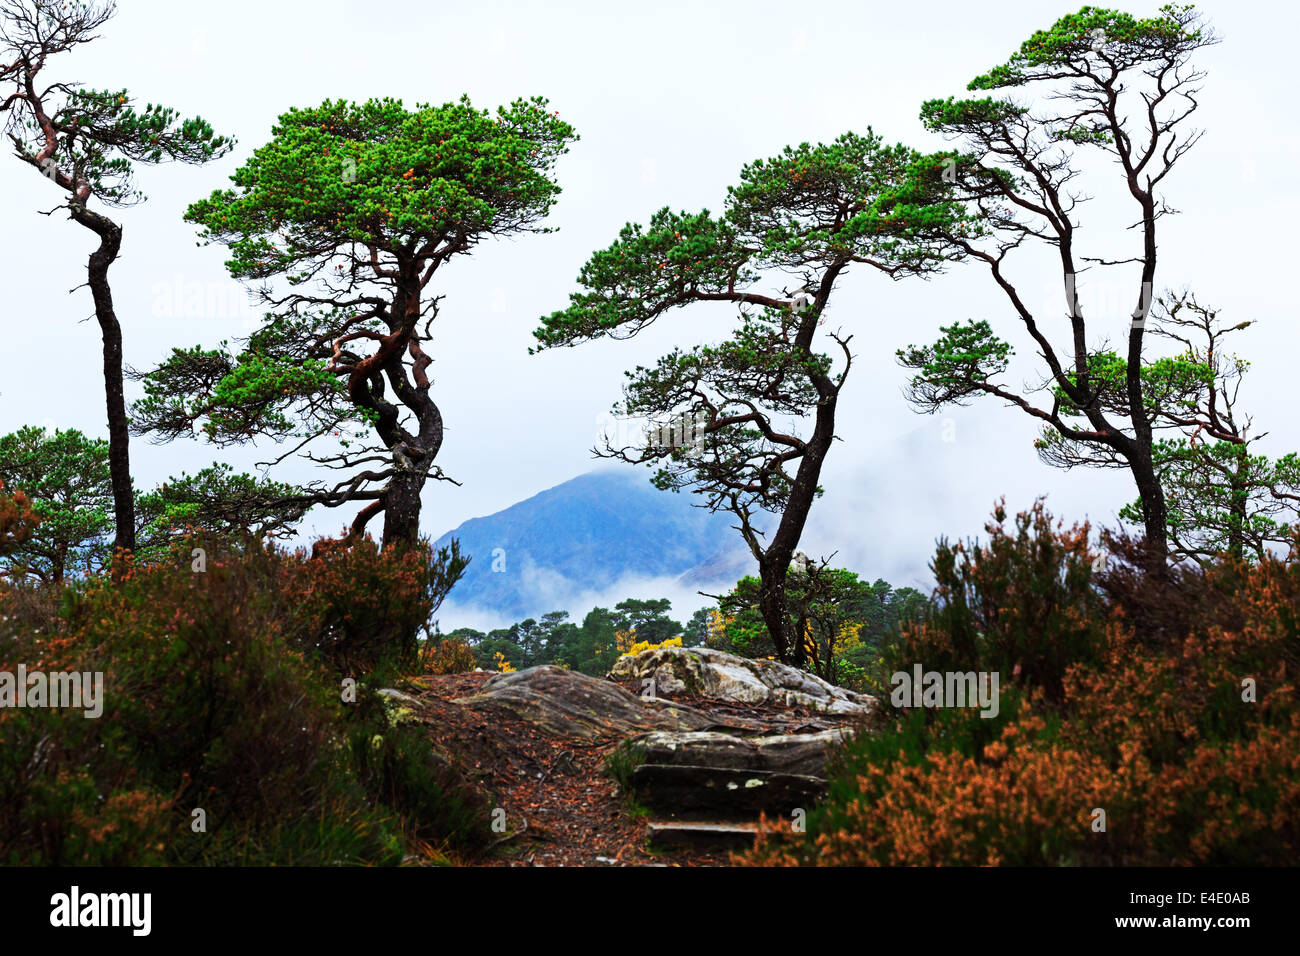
x,y
844,620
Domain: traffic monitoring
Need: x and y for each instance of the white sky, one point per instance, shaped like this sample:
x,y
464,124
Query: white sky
x,y
670,99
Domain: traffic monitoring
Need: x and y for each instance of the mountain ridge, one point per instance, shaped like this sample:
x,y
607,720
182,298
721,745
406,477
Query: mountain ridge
x,y
586,535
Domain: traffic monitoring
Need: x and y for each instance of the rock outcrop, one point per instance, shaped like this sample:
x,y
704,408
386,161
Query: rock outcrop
x,y
569,704
803,754
702,772
745,743
712,673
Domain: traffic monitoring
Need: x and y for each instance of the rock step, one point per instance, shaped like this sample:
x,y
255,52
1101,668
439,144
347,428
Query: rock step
x,y
679,789
803,754
732,836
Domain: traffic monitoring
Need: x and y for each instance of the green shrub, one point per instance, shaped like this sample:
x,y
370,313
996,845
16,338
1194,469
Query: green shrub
x,y
217,698
1022,604
398,765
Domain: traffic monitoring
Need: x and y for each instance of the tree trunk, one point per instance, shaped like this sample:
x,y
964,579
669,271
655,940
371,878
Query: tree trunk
x,y
119,460
775,565
411,460
772,605
412,455
402,510
1239,487
1155,514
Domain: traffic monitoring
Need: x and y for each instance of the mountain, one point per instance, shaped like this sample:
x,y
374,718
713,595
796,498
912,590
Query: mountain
x,y
586,537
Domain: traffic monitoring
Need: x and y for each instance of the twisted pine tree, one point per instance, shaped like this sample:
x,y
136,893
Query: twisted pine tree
x,y
356,207
761,405
1096,81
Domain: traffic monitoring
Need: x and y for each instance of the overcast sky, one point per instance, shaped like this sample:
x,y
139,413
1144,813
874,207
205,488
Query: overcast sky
x,y
670,100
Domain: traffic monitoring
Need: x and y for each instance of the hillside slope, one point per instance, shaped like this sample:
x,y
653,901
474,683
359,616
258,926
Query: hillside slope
x,y
586,535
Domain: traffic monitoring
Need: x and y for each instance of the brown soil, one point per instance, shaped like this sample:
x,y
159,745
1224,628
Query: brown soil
x,y
560,807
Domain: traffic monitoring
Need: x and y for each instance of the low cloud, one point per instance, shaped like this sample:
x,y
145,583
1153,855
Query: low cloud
x,y
564,595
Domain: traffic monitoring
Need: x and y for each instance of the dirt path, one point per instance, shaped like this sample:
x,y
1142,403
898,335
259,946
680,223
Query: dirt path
x,y
560,807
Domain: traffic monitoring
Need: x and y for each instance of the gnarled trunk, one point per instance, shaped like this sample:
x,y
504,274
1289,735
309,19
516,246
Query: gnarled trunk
x,y
402,509
119,459
412,455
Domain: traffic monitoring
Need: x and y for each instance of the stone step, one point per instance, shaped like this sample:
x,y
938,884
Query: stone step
x,y
781,753
684,790
731,836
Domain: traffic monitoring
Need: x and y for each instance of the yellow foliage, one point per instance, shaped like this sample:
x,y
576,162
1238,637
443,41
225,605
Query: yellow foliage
x,y
640,646
503,665
850,636
718,623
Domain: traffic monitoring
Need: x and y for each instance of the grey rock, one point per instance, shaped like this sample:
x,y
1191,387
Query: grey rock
x,y
717,674
566,703
398,696
802,754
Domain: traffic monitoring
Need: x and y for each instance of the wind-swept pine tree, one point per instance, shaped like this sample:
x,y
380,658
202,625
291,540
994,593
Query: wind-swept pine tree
x,y
1098,81
748,423
356,206
87,142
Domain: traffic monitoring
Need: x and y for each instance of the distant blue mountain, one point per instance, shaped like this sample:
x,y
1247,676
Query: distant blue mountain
x,y
588,534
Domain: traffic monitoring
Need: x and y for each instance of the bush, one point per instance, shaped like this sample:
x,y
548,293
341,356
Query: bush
x,y
636,647
359,606
217,698
451,655
399,766
1133,699
1023,604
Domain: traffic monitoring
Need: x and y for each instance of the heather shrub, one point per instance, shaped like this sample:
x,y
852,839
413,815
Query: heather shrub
x,y
1166,701
201,679
65,802
216,697
358,605
66,796
450,655
1021,604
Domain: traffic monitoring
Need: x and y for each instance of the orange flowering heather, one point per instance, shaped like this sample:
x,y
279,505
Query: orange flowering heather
x,y
1143,722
